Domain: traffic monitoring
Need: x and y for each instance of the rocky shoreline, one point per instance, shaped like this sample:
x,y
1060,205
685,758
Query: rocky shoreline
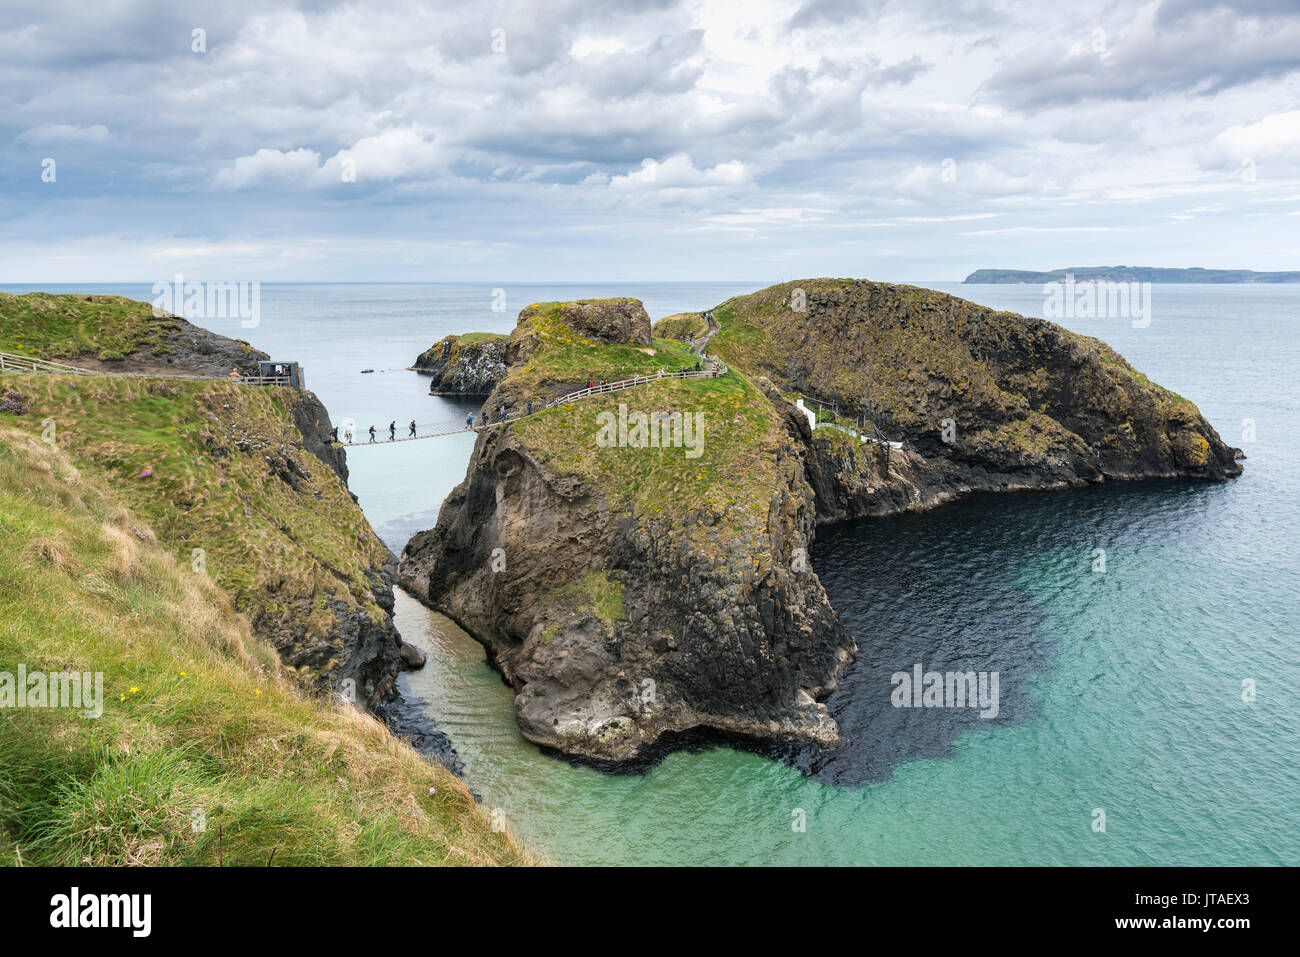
x,y
624,625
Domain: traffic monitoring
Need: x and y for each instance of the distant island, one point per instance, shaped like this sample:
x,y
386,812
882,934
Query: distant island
x,y
1129,274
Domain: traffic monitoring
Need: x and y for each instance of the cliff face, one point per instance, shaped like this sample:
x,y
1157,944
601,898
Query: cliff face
x,y
629,590
242,483
464,365
194,706
227,476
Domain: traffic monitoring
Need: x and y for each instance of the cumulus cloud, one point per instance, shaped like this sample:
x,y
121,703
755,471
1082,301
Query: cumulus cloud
x,y
680,172
299,166
1272,140
388,156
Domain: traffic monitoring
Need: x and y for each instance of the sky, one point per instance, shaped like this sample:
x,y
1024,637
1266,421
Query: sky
x,y
606,140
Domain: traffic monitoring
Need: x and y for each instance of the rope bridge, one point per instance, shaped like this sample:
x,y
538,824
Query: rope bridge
x,y
576,396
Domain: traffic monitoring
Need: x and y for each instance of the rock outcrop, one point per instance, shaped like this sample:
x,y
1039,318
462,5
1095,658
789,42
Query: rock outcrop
x,y
981,400
630,591
464,365
603,320
619,616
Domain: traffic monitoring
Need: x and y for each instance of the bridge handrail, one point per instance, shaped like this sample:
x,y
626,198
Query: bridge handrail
x,y
12,362
636,380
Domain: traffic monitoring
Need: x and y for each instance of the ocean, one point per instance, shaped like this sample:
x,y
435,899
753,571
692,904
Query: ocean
x,y
1150,712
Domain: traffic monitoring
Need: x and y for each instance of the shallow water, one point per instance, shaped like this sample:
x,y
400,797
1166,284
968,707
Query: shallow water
x,y
1120,691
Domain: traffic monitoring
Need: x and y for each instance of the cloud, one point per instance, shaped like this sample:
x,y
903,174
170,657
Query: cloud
x,y
299,166
1164,50
677,172
385,157
1275,139
534,154
57,134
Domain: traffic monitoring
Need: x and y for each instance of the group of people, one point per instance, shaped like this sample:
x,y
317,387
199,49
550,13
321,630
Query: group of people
x,y
502,414
392,433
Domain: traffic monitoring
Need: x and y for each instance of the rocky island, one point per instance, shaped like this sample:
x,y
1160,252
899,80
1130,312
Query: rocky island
x,y
464,365
632,586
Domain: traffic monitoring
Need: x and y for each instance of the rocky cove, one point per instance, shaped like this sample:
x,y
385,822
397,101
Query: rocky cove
x,y
630,597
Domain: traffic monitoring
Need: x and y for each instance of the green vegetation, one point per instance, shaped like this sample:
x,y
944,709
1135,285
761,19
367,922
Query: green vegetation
x,y
470,338
595,592
221,467
204,754
104,327
683,323
562,356
909,356
733,475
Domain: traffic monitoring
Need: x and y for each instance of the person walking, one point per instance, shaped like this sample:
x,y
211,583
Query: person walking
x,y
372,433
334,434
413,428
503,413
469,420
530,407
392,430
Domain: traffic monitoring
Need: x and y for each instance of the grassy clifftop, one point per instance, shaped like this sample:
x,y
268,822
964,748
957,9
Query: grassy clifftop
x,y
222,468
56,326
204,752
596,562
1020,393
733,470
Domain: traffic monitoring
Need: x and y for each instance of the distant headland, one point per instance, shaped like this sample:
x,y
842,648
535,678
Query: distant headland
x,y
1129,274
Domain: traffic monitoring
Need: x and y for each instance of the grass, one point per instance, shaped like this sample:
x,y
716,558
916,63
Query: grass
x,y
679,325
213,466
595,592
204,754
733,475
470,338
565,357
69,326
909,357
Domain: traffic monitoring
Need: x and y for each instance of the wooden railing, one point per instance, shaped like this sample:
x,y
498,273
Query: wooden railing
x,y
10,362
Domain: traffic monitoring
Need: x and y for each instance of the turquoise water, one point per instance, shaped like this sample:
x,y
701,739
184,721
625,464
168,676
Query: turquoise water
x,y
1121,691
